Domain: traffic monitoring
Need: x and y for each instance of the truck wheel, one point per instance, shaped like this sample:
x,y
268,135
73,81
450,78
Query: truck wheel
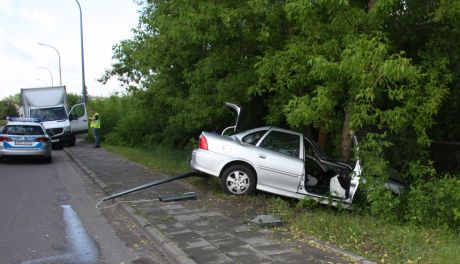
x,y
72,141
239,180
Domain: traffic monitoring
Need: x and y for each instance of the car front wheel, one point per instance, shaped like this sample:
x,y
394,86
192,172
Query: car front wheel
x,y
239,180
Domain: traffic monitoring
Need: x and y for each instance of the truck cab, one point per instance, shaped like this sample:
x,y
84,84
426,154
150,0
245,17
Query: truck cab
x,y
49,104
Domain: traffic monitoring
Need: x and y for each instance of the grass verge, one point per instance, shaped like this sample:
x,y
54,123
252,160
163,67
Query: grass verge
x,y
359,233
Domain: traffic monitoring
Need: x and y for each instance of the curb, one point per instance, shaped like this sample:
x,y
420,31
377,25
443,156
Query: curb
x,y
164,244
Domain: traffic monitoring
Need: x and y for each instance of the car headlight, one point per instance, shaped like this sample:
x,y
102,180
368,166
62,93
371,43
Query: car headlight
x,y
67,129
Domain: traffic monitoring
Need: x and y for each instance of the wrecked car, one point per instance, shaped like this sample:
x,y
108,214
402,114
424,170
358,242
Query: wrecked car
x,y
277,161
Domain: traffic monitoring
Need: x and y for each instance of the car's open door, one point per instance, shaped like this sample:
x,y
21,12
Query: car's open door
x,y
237,110
79,119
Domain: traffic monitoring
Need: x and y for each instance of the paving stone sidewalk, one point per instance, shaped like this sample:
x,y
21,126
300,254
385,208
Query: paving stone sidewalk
x,y
205,230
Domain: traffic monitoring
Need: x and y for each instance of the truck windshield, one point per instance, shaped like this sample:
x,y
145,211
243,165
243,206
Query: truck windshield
x,y
49,114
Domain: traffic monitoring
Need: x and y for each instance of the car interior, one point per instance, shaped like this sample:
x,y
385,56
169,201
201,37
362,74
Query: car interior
x,y
318,175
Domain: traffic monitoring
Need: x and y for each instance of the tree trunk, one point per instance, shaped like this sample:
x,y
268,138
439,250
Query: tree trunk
x,y
322,137
371,4
346,142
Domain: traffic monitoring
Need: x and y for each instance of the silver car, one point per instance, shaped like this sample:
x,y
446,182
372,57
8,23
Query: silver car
x,y
25,137
275,160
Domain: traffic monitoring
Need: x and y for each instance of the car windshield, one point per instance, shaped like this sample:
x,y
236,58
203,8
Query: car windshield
x,y
23,130
49,114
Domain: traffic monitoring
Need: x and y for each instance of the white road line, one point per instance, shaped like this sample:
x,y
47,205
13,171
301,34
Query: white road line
x,y
81,247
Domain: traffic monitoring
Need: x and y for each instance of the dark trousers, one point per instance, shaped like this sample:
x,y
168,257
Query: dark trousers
x,y
96,136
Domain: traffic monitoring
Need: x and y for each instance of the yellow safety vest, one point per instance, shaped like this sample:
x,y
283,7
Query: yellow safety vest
x,y
96,123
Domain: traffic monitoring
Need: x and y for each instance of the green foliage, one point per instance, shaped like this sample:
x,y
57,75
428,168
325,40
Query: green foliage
x,y
386,70
442,195
73,99
7,108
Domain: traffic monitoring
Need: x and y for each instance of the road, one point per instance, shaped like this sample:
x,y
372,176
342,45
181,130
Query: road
x,y
48,215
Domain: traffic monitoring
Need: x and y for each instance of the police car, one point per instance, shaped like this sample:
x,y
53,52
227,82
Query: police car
x,y
24,137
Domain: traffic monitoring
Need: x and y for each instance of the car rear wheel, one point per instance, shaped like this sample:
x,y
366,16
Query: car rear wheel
x,y
239,180
48,159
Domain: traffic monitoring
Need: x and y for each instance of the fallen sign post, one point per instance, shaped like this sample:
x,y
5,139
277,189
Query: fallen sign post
x,y
147,185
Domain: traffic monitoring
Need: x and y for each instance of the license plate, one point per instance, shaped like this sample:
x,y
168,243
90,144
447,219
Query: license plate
x,y
23,143
54,140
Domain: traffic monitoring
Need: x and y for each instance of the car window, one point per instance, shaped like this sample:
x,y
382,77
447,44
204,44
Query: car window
x,y
254,137
23,130
282,142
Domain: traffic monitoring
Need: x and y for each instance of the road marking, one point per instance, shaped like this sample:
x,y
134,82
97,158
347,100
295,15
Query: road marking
x,y
81,247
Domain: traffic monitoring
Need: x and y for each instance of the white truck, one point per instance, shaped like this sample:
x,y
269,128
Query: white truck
x,y
49,104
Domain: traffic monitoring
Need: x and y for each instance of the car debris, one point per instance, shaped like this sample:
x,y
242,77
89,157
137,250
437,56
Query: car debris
x,y
177,197
267,220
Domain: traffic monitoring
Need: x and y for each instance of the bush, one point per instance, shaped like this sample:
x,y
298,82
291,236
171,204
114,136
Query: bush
x,y
435,203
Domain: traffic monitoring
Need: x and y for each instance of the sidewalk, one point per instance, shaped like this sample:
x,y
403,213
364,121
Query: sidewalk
x,y
194,231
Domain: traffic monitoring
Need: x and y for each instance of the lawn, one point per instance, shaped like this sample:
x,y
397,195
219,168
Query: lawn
x,y
375,239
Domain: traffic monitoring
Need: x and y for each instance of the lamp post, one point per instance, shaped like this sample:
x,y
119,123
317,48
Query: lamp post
x,y
51,74
38,79
82,56
59,57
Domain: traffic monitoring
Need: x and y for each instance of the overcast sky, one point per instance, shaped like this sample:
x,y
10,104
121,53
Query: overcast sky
x,y
24,23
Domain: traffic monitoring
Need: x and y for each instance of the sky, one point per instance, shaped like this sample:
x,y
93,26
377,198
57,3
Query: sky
x,y
25,23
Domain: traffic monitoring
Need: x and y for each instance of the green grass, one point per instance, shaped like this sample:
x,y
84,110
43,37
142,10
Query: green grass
x,y
159,159
361,234
2,122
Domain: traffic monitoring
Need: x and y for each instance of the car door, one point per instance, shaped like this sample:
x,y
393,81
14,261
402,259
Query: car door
x,y
79,119
279,161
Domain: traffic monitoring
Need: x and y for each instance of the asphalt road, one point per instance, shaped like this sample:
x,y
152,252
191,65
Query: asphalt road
x,y
48,215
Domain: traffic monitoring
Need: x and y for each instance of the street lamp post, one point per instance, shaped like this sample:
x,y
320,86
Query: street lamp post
x,y
82,55
59,57
51,74
46,84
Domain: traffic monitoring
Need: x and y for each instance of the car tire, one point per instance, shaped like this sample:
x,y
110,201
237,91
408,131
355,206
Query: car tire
x,y
49,159
238,180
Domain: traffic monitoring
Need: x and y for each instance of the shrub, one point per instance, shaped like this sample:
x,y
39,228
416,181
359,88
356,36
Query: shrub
x,y
435,203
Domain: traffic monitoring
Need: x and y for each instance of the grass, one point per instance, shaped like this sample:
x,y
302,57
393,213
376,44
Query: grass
x,y
375,239
159,159
2,122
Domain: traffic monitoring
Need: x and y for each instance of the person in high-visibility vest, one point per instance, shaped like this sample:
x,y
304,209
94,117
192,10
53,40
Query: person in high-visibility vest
x,y
95,126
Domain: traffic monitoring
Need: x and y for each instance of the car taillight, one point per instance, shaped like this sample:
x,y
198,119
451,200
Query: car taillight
x,y
41,139
3,138
203,143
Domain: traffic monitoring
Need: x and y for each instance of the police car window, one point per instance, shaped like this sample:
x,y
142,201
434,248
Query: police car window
x,y
254,137
285,143
23,130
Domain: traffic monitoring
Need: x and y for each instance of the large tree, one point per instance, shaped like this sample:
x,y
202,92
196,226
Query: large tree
x,y
328,68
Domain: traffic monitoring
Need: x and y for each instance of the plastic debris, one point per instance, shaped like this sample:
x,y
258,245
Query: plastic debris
x,y
267,220
177,197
